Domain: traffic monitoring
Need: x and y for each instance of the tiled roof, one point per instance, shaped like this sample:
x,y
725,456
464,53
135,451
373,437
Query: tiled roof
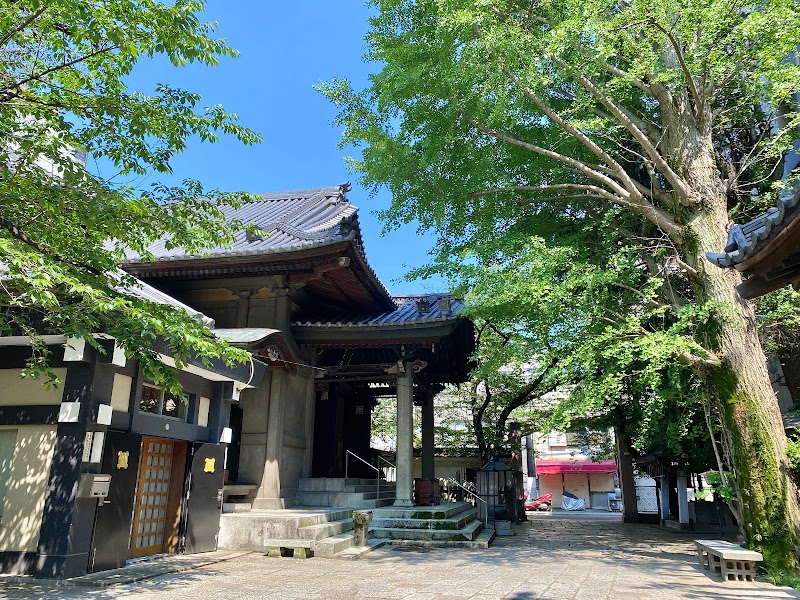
x,y
744,241
294,220
411,310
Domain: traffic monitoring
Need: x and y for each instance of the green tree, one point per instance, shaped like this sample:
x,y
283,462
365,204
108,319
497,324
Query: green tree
x,y
657,121
64,230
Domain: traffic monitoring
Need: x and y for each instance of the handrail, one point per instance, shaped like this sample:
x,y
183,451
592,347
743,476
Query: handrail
x,y
347,462
470,492
370,465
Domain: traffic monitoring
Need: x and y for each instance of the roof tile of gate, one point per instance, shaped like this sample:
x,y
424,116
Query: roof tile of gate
x,y
411,310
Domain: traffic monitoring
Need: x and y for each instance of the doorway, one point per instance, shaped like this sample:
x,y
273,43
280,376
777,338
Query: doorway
x,y
156,511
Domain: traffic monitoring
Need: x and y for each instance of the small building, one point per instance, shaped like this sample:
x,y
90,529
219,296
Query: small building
x,y
165,458
564,464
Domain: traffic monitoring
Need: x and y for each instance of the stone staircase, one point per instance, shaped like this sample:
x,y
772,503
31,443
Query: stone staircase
x,y
260,530
323,526
453,524
350,492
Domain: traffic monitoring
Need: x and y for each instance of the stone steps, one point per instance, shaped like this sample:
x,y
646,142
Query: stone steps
x,y
467,533
337,484
348,499
253,530
459,521
453,524
441,511
482,541
325,530
350,492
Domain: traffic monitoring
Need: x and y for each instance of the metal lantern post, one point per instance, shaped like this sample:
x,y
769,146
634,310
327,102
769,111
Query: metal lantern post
x,y
496,489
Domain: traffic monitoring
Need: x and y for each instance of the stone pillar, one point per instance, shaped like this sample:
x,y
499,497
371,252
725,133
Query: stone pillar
x,y
428,453
270,490
683,499
405,437
630,512
664,488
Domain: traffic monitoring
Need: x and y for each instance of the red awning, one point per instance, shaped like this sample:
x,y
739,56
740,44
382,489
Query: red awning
x,y
553,467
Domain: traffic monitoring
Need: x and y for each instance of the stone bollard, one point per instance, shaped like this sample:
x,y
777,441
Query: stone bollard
x,y
361,520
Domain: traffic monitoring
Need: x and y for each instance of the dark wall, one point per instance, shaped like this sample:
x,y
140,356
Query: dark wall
x,y
328,434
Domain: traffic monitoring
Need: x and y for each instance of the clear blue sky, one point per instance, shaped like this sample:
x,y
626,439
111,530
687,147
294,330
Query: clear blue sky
x,y
286,48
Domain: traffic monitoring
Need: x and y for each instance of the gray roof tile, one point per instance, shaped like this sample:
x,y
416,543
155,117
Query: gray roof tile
x,y
411,310
294,220
744,241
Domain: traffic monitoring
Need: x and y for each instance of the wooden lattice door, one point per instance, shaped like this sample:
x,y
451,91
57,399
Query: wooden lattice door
x,y
150,511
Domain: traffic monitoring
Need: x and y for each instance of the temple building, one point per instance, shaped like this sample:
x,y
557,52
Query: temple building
x,y
109,467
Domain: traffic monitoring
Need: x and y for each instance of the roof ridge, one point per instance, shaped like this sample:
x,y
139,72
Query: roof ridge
x,y
333,190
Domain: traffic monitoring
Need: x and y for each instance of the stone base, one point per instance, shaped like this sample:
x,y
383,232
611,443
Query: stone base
x,y
403,503
274,503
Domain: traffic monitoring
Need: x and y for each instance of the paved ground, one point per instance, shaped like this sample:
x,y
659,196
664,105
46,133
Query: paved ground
x,y
550,558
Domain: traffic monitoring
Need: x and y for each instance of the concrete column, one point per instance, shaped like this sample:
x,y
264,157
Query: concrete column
x,y
270,491
428,454
405,437
664,488
683,500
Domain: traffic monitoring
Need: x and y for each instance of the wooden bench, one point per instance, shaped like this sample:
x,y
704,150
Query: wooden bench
x,y
733,562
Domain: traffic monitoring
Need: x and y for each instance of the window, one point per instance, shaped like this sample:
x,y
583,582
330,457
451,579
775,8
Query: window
x,y
158,402
8,442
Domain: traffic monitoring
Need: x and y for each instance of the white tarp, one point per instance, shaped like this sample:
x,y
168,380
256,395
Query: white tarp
x,y
572,502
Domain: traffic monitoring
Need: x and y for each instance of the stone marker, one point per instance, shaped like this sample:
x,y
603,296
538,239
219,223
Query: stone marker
x,y
361,521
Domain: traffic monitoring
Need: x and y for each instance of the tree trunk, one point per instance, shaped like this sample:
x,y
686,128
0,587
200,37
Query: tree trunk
x,y
751,418
753,436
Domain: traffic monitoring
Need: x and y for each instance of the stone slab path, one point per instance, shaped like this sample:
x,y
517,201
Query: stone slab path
x,y
553,559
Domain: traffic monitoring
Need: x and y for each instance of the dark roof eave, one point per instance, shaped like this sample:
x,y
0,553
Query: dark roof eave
x,y
432,331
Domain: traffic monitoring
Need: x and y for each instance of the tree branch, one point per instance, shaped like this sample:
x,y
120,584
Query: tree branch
x,y
617,72
598,191
659,217
574,132
698,99
58,67
661,164
30,19
524,395
18,234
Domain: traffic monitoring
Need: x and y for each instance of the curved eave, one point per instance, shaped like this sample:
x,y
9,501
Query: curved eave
x,y
257,341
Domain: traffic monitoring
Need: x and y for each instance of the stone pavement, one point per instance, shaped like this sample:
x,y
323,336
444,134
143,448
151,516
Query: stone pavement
x,y
552,559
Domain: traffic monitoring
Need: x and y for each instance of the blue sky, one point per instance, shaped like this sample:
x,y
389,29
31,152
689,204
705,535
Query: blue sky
x,y
286,48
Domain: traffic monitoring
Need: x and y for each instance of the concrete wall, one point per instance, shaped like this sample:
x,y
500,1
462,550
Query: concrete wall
x,y
15,391
446,466
30,471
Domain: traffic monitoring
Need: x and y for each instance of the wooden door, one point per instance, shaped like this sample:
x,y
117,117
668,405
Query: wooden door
x,y
150,511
